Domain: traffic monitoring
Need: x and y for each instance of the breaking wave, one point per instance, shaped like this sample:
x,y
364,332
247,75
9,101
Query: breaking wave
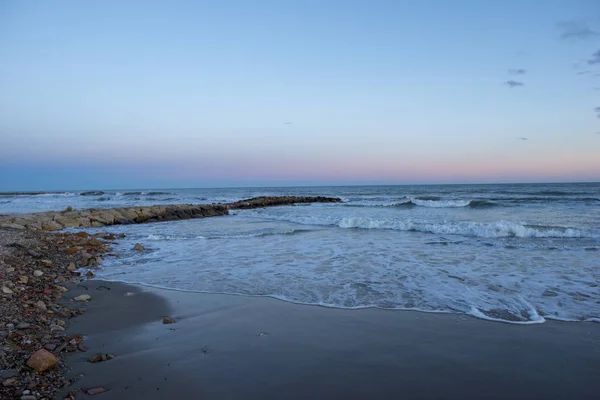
x,y
496,229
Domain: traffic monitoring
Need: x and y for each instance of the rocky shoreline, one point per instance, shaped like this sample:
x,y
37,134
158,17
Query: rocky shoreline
x,y
39,267
37,270
69,218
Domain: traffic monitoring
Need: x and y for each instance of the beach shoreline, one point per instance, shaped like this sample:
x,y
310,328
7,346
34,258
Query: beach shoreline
x,y
234,346
228,346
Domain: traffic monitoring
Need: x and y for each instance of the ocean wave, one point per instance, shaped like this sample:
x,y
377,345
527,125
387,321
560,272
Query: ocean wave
x,y
496,229
427,201
142,193
162,237
92,193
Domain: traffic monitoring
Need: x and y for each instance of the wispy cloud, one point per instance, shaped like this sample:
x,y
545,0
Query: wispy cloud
x,y
583,72
597,111
523,138
513,84
517,71
288,123
595,58
576,30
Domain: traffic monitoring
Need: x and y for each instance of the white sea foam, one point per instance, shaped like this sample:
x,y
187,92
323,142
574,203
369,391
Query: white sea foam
x,y
495,229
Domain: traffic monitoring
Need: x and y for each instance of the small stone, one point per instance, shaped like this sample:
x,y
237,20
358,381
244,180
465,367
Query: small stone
x,y
9,382
32,385
23,279
41,305
83,297
10,269
71,250
37,273
61,288
33,254
95,391
55,327
50,346
96,358
28,396
47,263
60,322
42,360
121,236
89,274
10,327
138,247
168,320
23,325
6,290
72,267
83,235
109,356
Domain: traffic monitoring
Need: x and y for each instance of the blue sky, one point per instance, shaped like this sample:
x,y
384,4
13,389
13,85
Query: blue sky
x,y
102,94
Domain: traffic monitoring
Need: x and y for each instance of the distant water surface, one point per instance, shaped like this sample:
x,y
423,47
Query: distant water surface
x,y
518,253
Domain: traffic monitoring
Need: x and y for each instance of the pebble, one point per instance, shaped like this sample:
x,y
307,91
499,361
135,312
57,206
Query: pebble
x,y
10,327
72,267
23,279
55,327
42,360
9,382
47,263
6,290
23,325
10,269
41,305
138,247
83,297
37,273
168,320
95,391
28,397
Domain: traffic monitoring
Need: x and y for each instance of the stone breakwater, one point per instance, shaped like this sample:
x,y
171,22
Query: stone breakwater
x,y
53,221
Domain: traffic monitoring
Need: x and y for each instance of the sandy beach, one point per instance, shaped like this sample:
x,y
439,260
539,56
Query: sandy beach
x,y
236,347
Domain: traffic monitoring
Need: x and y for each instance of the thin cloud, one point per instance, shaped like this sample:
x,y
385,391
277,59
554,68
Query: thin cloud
x,y
517,71
523,138
583,73
288,123
513,84
576,30
595,58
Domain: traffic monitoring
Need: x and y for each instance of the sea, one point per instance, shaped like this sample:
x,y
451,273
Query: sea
x,y
514,253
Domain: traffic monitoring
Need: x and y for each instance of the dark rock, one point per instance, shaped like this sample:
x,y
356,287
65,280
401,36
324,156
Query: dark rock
x,y
138,247
92,193
95,391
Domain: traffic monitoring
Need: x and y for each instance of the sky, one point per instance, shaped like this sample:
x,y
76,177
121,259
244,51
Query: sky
x,y
154,94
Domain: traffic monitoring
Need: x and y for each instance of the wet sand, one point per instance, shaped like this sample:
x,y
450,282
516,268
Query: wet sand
x,y
235,347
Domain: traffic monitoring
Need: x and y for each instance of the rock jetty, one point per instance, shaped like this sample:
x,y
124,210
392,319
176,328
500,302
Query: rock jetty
x,y
54,221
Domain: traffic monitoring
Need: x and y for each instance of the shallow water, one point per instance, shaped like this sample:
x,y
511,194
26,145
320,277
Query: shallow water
x,y
514,253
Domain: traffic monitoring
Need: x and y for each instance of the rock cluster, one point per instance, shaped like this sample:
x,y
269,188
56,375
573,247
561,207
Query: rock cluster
x,y
260,202
36,269
54,221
